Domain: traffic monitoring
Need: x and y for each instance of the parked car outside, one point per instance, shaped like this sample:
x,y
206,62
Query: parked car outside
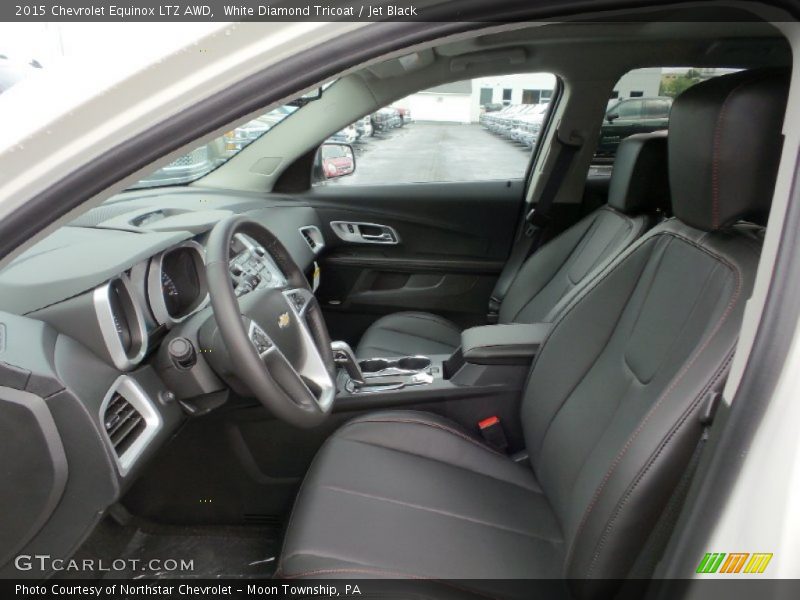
x,y
629,116
364,127
405,114
504,124
526,128
492,107
492,121
348,135
241,137
201,160
385,119
187,168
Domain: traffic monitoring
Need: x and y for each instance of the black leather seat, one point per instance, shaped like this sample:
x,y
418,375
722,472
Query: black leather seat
x,y
611,411
552,276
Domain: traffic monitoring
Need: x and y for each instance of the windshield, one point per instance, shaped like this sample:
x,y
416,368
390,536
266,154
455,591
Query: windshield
x,y
206,158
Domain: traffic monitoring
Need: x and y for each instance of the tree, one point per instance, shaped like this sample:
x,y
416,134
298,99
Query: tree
x,y
674,85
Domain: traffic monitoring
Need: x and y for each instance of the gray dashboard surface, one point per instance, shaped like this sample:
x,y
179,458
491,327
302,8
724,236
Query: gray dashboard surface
x,y
72,260
106,240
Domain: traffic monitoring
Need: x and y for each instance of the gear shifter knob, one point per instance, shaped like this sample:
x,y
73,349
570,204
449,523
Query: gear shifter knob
x,y
344,357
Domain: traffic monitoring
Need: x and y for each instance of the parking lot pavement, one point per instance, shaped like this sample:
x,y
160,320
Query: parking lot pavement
x,y
420,152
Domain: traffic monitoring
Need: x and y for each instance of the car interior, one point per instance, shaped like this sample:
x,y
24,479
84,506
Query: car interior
x,y
420,380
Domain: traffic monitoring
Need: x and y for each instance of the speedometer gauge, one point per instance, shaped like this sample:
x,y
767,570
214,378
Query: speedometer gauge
x,y
172,297
168,286
176,283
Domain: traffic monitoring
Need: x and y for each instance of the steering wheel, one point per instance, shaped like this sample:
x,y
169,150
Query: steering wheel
x,y
276,338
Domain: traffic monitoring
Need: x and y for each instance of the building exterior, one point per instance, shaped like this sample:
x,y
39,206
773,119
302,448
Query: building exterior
x,y
638,83
450,102
461,102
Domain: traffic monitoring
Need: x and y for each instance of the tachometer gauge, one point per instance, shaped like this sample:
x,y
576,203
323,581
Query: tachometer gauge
x,y
176,283
168,286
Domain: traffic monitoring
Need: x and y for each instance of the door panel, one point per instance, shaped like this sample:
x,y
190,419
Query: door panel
x,y
452,242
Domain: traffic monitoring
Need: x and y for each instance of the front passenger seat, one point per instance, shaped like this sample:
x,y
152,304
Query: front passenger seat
x,y
550,277
612,411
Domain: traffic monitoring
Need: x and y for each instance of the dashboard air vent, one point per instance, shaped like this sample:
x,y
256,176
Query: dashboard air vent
x,y
123,423
312,244
130,421
313,237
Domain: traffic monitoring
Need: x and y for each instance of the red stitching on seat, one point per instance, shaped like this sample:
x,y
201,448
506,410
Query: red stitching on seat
x,y
429,424
650,463
677,379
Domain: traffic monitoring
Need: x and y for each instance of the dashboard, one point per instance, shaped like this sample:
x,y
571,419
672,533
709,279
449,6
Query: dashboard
x,y
97,325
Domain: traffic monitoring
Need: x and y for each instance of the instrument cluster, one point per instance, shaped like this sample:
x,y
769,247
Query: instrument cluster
x,y
176,283
252,267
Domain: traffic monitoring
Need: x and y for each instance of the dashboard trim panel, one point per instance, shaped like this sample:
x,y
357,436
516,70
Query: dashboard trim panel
x,y
101,298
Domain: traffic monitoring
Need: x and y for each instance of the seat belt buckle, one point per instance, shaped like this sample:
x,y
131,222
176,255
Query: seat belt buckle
x,y
534,221
493,316
493,434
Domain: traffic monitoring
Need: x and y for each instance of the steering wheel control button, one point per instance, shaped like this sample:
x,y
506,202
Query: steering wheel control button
x,y
297,300
260,339
182,353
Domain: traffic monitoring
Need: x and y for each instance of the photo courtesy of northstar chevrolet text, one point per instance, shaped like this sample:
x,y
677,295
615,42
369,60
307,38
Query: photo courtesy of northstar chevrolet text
x,y
421,299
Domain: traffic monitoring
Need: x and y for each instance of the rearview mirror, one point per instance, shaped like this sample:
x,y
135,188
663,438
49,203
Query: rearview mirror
x,y
611,116
334,160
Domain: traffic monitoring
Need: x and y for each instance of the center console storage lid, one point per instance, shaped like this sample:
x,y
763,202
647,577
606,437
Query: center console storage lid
x,y
513,344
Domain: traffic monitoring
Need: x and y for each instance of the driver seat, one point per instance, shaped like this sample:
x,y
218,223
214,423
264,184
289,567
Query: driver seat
x,y
612,409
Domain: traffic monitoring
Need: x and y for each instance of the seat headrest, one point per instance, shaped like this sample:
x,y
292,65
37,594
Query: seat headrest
x,y
639,181
724,147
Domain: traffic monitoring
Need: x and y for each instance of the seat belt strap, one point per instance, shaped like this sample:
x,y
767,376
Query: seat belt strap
x,y
534,225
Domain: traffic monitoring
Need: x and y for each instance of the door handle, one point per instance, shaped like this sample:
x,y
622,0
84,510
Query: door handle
x,y
365,233
381,237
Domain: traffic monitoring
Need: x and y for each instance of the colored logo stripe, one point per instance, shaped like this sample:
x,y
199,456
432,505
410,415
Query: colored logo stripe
x,y
711,562
714,562
757,563
734,562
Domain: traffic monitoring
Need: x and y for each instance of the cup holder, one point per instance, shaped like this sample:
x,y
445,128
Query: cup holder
x,y
414,363
374,365
385,366
392,374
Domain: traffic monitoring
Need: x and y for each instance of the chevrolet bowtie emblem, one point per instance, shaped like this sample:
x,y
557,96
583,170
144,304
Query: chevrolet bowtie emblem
x,y
283,320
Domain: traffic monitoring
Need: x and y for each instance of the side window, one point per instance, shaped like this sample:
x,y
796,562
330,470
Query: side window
x,y
474,130
641,101
629,109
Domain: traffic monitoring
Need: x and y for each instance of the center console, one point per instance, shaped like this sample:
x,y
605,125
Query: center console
x,y
385,374
492,360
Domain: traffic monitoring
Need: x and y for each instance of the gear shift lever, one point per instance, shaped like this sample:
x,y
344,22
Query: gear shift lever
x,y
344,357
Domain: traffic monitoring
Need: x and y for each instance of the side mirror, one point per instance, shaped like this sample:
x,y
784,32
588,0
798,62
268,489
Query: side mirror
x,y
334,160
611,116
